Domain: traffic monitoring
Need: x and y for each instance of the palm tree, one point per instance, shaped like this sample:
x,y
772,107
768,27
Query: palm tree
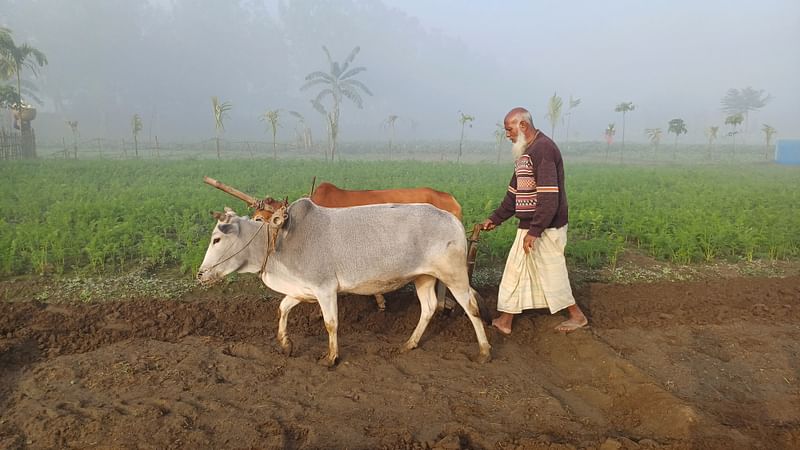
x,y
677,127
303,130
734,121
464,119
624,108
389,123
14,58
609,133
554,113
339,82
73,125
219,110
136,127
271,117
654,134
499,137
743,101
573,103
768,133
711,134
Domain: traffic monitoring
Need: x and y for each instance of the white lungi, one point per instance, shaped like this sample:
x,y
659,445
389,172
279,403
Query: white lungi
x,y
538,279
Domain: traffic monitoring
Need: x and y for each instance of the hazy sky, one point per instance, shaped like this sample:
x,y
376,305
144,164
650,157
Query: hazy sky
x,y
670,58
425,60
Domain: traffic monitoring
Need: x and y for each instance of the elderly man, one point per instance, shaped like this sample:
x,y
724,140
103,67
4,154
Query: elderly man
x,y
535,275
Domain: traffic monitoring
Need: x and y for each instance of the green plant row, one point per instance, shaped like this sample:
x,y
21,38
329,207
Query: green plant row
x,y
104,216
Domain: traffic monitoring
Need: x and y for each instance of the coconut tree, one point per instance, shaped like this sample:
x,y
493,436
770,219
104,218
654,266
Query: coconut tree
x,y
465,119
654,134
769,132
624,108
14,58
734,121
136,128
711,134
554,107
271,118
742,101
302,130
220,110
677,127
337,83
499,137
390,123
573,103
609,133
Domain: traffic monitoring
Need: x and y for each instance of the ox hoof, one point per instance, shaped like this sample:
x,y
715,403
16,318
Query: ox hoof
x,y
407,347
287,347
327,361
484,358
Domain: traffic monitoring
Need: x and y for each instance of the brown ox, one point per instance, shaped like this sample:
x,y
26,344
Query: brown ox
x,y
330,196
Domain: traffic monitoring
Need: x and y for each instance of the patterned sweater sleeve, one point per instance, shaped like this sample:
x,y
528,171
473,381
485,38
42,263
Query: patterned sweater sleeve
x,y
547,192
508,205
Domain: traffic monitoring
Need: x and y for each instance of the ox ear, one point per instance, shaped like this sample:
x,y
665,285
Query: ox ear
x,y
227,228
217,215
278,218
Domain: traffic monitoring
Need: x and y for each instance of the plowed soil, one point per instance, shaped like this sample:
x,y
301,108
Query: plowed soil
x,y
706,364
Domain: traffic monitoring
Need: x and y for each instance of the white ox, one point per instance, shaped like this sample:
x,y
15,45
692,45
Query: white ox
x,y
317,252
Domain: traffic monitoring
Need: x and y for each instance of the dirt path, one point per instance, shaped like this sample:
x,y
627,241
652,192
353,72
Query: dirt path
x,y
711,364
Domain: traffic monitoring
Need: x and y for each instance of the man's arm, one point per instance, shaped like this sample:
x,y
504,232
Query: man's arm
x,y
507,207
546,192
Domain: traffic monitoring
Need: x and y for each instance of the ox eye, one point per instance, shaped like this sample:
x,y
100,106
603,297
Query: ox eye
x,y
215,240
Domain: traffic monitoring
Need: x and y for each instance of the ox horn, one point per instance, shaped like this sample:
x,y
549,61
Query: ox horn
x,y
218,215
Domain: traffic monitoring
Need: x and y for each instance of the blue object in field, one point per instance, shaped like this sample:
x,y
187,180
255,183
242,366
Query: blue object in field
x,y
787,151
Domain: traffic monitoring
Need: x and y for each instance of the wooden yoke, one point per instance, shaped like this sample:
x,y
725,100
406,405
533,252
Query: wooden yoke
x,y
251,202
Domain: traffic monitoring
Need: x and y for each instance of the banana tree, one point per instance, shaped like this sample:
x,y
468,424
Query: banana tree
x,y
272,117
553,115
769,132
136,128
337,83
499,137
711,134
677,127
302,130
220,110
390,124
654,134
573,103
609,134
734,121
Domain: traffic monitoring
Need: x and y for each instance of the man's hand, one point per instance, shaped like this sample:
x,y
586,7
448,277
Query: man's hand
x,y
488,225
527,243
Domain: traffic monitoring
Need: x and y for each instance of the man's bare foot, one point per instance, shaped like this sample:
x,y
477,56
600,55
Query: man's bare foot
x,y
572,324
503,323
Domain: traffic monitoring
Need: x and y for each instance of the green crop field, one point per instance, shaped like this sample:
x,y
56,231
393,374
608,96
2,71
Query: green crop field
x,y
109,216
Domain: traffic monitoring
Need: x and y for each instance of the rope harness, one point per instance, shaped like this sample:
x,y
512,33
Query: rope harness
x,y
273,226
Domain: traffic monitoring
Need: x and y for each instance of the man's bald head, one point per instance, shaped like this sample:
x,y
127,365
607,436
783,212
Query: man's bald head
x,y
519,114
519,129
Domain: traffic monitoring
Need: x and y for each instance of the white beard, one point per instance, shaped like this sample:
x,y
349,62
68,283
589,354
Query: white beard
x,y
519,147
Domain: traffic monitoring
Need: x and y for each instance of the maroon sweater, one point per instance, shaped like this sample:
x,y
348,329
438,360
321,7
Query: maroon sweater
x,y
536,193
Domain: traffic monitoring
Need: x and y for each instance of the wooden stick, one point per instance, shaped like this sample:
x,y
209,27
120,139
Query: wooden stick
x,y
234,192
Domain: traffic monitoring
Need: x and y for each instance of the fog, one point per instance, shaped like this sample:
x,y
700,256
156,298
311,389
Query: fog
x,y
425,61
